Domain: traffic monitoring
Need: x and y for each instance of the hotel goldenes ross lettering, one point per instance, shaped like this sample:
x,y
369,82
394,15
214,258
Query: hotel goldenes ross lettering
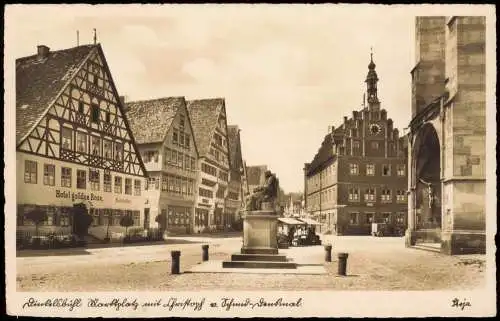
x,y
78,196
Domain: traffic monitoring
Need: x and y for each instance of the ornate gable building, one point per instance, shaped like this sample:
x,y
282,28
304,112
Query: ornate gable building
x,y
74,143
164,135
447,136
208,117
359,174
236,195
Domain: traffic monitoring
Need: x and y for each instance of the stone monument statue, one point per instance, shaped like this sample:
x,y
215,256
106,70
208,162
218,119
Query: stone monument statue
x,y
260,230
266,193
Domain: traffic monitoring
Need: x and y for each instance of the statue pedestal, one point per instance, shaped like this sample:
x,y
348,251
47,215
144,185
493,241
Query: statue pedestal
x,y
260,230
260,243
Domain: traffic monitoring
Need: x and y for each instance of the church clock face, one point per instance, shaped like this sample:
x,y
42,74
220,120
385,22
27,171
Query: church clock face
x,y
375,129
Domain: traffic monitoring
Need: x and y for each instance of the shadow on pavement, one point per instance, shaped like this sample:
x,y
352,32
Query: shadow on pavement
x,y
58,252
84,250
211,236
174,239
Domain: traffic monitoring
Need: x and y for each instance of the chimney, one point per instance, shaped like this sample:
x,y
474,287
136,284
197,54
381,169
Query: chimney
x,y
43,51
345,119
329,129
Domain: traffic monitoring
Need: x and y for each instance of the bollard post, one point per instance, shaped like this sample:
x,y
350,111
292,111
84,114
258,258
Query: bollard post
x,y
328,253
175,261
342,265
204,252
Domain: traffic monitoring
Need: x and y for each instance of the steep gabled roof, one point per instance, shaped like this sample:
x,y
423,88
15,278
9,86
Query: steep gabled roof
x,y
150,120
204,114
233,135
323,156
40,81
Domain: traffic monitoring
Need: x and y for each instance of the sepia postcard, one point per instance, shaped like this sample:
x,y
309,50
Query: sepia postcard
x,y
236,160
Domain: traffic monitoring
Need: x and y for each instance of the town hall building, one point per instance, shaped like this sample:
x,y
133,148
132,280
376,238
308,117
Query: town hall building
x,y
359,175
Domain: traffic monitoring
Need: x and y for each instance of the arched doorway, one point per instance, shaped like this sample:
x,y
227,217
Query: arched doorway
x,y
426,179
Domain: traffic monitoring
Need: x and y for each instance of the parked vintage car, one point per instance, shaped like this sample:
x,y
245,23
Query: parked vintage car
x,y
387,229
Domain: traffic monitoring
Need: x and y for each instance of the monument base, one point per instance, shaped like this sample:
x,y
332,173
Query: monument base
x,y
451,242
260,244
463,242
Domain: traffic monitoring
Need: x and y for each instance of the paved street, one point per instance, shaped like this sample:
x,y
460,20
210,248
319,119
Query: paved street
x,y
373,264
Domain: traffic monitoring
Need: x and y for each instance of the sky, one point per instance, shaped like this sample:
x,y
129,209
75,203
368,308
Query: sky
x,y
287,72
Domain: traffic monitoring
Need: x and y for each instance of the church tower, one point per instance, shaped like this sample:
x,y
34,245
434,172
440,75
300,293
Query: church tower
x,y
371,86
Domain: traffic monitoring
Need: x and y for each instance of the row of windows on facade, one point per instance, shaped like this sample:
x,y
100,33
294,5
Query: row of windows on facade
x,y
61,216
370,169
95,112
354,196
357,131
98,146
368,218
180,138
176,215
356,150
171,183
211,170
354,170
49,173
218,155
210,194
370,195
171,157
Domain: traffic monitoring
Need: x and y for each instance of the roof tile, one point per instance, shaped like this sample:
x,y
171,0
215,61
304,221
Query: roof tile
x,y
204,114
150,119
38,83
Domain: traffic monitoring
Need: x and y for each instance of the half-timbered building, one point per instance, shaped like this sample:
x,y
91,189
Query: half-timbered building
x,y
163,132
73,141
235,197
208,117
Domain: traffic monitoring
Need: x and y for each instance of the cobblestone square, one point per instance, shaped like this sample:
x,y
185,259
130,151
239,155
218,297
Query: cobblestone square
x,y
373,264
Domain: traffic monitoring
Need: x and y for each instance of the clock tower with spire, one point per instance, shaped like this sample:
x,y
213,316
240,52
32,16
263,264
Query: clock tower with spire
x,y
358,175
371,86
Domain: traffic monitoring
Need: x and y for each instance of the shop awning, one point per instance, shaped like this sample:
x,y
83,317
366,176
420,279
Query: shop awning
x,y
290,221
309,221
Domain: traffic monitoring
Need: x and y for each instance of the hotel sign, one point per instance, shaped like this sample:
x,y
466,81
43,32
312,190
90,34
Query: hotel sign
x,y
121,200
78,196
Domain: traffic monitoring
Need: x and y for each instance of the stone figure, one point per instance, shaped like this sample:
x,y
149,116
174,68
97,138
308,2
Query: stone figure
x,y
430,193
265,193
